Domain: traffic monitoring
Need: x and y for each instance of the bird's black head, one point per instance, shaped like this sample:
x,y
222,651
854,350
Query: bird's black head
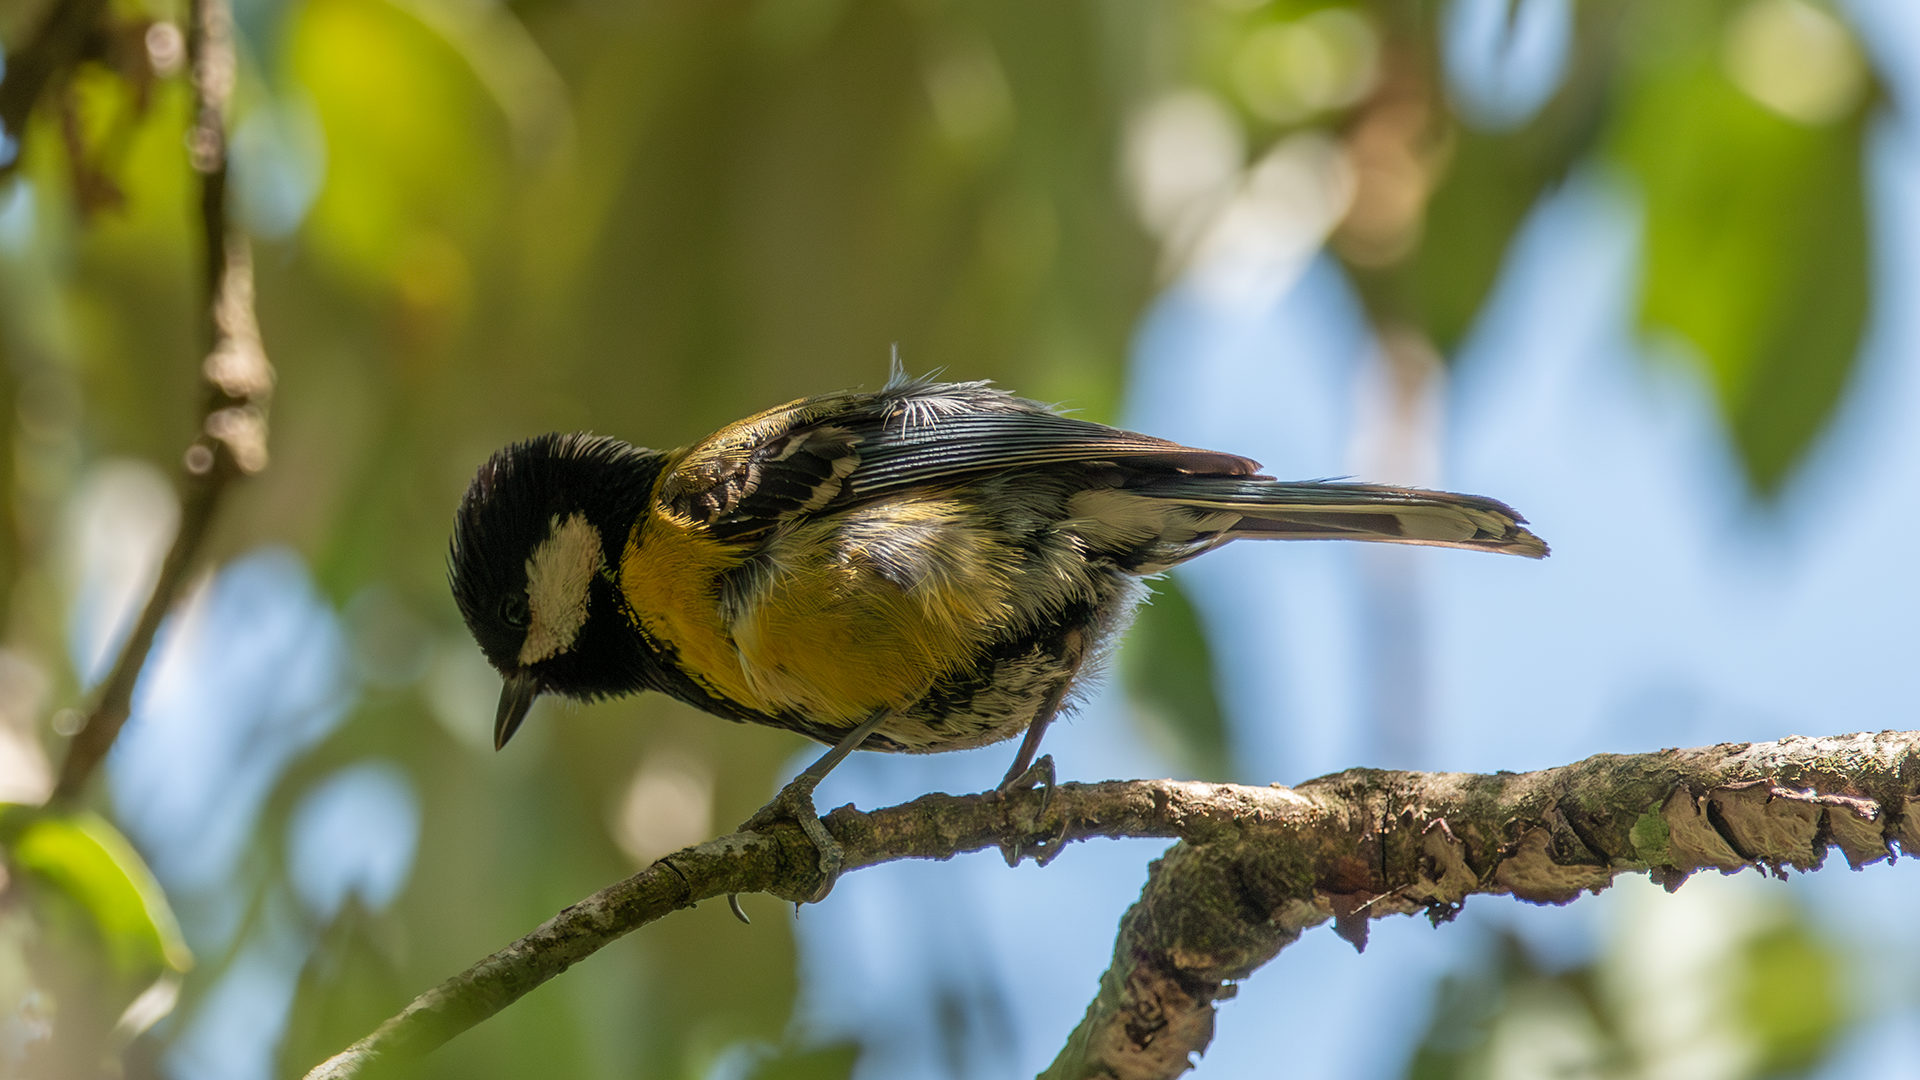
x,y
534,564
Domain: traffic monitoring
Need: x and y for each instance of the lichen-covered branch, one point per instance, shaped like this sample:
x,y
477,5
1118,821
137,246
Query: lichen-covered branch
x,y
238,380
1257,866
1365,844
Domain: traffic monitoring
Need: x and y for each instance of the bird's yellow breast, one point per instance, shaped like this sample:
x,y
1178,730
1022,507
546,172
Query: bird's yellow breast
x,y
840,616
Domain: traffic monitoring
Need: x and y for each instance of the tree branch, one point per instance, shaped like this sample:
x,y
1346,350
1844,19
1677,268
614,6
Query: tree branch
x,y
1257,866
1370,844
239,383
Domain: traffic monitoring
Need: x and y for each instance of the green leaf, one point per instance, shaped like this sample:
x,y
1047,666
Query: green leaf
x,y
1168,673
349,985
1484,183
1756,250
1491,182
404,186
1769,994
1791,1000
1508,1015
90,861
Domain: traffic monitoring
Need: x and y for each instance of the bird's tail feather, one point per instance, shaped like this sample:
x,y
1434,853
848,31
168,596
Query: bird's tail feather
x,y
1275,510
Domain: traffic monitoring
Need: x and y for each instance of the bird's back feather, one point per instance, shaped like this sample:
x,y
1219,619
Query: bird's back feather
x,y
954,554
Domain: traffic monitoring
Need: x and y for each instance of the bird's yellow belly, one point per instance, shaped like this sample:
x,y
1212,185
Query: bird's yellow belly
x,y
823,631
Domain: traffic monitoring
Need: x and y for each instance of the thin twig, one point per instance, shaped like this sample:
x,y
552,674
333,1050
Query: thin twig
x,y
1257,866
232,442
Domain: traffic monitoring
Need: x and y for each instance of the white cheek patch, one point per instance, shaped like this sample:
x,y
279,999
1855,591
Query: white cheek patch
x,y
559,575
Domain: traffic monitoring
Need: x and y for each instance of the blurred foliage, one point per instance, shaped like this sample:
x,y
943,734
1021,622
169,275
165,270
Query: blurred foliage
x,y
1168,673
1789,1000
87,860
353,981
1758,996
1488,183
826,1063
92,926
474,222
1557,1015
1740,124
1756,229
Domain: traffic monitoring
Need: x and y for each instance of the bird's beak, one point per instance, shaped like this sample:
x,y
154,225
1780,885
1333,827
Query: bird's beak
x,y
516,697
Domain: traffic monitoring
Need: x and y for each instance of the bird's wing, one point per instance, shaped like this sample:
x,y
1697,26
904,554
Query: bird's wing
x,y
843,448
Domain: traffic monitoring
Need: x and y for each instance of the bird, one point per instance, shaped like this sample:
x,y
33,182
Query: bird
x,y
925,567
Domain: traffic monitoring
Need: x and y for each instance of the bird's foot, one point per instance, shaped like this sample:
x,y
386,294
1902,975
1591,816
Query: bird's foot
x,y
1039,775
795,804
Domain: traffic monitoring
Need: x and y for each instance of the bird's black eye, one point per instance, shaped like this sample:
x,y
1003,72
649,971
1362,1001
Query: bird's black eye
x,y
513,612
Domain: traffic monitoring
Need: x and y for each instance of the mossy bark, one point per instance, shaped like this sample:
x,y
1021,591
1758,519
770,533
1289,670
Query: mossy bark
x,y
1380,843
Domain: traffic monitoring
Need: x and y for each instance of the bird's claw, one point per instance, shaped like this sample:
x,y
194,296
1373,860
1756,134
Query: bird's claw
x,y
795,804
1038,775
